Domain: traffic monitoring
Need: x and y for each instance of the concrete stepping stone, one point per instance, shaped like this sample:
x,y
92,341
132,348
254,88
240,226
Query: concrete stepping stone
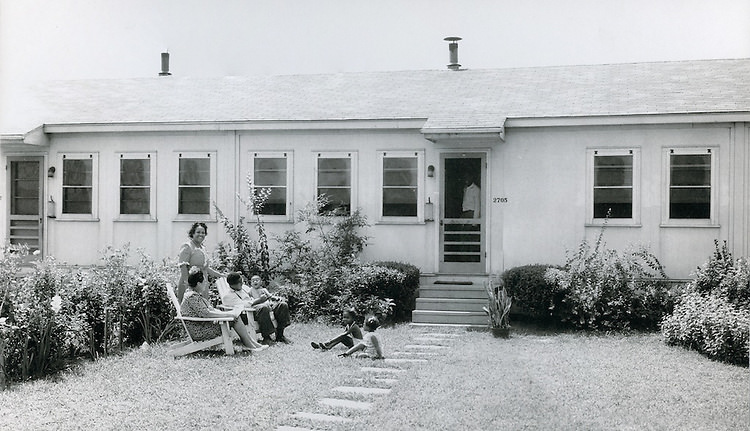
x,y
381,370
425,346
415,353
405,361
361,390
431,340
321,417
379,380
439,334
349,404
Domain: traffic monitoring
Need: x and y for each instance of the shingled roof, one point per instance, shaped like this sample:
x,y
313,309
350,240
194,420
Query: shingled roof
x,y
456,99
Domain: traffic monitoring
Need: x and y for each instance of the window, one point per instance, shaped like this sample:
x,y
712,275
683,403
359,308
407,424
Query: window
x,y
614,189
401,185
137,180
271,171
690,184
79,188
196,183
334,181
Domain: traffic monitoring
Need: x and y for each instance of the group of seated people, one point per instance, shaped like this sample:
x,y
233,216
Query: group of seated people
x,y
257,299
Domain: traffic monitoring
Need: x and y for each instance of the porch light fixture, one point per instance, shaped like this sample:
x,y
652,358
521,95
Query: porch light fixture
x,y
430,171
51,172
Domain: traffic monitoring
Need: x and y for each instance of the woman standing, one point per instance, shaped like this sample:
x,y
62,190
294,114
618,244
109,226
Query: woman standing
x,y
193,253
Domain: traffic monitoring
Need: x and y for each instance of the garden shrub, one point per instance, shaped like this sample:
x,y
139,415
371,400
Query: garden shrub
x,y
245,255
402,290
710,325
32,330
532,294
52,314
712,316
354,286
600,288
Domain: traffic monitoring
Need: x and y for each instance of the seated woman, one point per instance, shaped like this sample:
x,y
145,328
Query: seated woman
x,y
195,305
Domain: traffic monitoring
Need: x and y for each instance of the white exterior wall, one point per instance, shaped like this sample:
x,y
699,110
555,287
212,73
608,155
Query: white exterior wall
x,y
541,172
408,242
544,175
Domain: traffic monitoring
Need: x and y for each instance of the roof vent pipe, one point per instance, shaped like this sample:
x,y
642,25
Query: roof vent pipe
x,y
453,51
164,64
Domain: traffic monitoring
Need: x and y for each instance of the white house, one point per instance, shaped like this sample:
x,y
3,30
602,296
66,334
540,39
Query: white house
x,y
663,146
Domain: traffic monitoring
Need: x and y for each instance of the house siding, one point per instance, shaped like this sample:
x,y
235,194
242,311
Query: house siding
x,y
535,192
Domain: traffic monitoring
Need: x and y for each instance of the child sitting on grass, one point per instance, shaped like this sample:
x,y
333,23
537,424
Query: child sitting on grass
x,y
351,332
370,346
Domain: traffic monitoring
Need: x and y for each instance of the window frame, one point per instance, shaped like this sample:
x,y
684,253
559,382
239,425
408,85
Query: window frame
x,y
289,156
151,157
211,156
591,154
352,156
94,214
713,220
401,154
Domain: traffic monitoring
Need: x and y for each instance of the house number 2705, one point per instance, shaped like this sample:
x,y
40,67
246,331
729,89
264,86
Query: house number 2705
x,y
499,200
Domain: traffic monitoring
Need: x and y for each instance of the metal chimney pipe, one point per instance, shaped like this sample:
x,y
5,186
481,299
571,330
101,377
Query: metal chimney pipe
x,y
164,64
453,52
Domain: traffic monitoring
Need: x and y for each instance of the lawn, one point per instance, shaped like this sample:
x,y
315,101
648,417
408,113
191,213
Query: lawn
x,y
532,381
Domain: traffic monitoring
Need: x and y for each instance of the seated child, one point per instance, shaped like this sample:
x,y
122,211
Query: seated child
x,y
370,346
351,332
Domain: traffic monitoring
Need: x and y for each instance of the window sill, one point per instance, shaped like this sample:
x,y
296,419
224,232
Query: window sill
x,y
635,225
400,222
614,223
690,225
136,219
269,219
68,218
210,218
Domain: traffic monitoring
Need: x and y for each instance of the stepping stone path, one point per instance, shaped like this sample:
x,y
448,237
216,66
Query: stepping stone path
x,y
363,391
428,346
404,360
335,402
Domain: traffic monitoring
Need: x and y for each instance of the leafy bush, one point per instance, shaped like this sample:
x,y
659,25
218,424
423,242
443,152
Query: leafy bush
x,y
532,294
600,288
330,241
403,291
245,255
33,331
713,314
710,325
355,286
52,313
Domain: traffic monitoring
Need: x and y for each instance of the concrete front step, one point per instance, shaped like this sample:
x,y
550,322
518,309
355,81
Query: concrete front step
x,y
449,317
452,291
451,304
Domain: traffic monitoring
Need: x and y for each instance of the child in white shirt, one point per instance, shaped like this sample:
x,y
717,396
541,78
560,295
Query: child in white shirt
x,y
370,346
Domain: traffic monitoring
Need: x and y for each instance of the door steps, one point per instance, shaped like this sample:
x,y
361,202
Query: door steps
x,y
451,300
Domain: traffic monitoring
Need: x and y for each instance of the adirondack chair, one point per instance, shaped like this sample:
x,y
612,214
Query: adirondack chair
x,y
190,345
223,287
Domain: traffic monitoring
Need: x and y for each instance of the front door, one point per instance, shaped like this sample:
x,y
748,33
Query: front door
x,y
462,218
26,201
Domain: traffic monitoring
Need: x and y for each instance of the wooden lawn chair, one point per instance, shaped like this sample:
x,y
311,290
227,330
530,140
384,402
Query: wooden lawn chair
x,y
223,287
191,346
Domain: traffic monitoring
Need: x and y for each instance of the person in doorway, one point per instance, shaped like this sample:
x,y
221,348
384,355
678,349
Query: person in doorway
x,y
265,303
471,206
370,346
347,338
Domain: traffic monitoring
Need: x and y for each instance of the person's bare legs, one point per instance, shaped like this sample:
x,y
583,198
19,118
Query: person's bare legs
x,y
246,339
